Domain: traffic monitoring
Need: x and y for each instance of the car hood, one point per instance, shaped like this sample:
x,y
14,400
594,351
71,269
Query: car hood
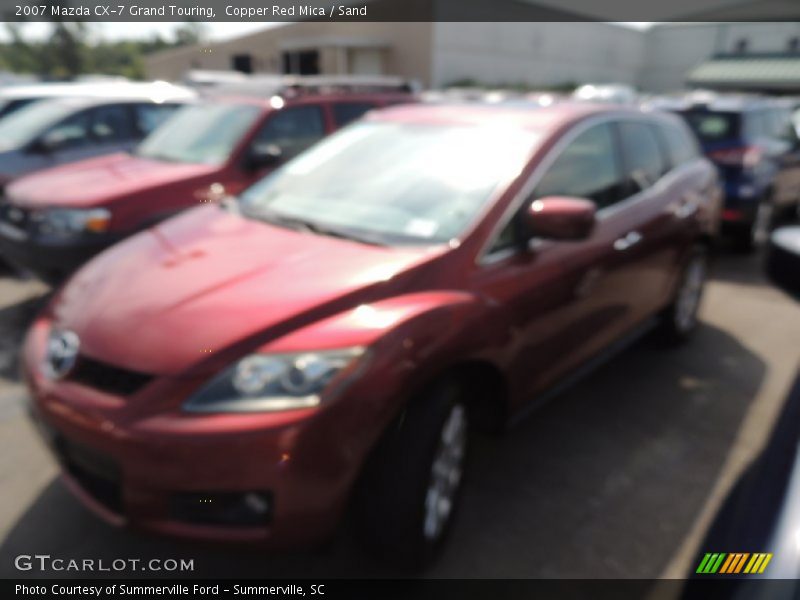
x,y
100,180
197,284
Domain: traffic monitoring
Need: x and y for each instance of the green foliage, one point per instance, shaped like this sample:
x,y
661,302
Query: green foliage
x,y
67,51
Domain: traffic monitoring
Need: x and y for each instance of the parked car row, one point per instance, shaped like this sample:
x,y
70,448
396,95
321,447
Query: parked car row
x,y
47,125
55,219
756,149
328,323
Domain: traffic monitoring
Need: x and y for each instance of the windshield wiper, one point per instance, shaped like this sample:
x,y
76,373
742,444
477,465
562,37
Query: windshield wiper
x,y
309,226
155,156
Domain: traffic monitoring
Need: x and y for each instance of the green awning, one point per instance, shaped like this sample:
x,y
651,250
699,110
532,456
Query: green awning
x,y
776,72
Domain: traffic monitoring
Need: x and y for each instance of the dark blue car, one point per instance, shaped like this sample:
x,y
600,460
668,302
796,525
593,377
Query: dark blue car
x,y
753,143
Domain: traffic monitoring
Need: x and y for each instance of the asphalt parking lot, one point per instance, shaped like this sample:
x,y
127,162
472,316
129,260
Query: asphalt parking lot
x,y
618,477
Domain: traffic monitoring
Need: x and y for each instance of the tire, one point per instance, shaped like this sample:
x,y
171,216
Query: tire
x,y
409,493
679,319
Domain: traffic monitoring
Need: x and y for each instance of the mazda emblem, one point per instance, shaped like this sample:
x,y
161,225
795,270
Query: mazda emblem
x,y
62,353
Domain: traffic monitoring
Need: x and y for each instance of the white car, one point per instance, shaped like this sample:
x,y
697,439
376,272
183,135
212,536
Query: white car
x,y
12,98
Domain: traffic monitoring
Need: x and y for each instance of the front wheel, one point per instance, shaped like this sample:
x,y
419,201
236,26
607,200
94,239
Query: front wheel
x,y
409,494
679,320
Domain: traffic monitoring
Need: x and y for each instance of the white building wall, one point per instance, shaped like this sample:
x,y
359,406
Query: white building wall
x,y
671,51
535,53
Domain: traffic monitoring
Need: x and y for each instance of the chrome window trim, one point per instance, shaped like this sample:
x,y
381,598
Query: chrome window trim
x,y
485,257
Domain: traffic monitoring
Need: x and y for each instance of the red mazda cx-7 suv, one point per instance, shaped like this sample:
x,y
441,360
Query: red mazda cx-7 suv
x,y
246,370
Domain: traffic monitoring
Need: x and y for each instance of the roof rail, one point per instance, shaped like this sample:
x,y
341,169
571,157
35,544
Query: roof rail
x,y
321,84
293,86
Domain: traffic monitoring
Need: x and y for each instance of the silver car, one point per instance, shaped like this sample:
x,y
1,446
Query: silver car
x,y
54,132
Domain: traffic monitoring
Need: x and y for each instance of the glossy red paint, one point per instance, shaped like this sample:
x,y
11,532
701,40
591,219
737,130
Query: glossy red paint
x,y
193,295
561,218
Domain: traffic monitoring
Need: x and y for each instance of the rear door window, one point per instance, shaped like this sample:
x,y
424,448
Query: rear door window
x,y
72,132
643,159
112,124
681,146
293,129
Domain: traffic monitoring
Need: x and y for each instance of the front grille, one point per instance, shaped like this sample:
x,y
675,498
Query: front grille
x,y
97,474
107,378
18,218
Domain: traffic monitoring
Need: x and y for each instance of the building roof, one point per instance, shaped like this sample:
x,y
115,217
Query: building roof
x,y
754,71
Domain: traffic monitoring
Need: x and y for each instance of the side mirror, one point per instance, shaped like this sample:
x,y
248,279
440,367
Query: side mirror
x,y
783,259
558,218
264,155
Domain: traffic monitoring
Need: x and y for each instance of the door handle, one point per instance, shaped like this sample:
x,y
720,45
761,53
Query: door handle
x,y
689,204
624,243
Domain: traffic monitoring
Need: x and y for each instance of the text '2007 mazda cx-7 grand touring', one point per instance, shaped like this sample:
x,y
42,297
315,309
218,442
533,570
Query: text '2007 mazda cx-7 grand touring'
x,y
246,370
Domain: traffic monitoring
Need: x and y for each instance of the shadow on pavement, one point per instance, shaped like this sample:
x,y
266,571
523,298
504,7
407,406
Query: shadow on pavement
x,y
605,481
14,322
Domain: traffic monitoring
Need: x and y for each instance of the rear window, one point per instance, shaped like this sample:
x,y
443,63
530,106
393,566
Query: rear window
x,y
345,112
681,146
644,161
713,126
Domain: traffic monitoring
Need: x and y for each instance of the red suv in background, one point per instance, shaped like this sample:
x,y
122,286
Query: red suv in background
x,y
247,369
54,220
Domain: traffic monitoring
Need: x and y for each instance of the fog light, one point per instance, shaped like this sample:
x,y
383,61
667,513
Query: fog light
x,y
235,509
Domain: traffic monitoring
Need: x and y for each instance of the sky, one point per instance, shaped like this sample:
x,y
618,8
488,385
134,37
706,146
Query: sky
x,y
216,31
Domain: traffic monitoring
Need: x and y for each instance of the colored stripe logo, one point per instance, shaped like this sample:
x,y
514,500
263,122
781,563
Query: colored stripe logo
x,y
734,563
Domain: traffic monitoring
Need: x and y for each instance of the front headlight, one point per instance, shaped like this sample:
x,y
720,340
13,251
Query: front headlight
x,y
273,382
64,222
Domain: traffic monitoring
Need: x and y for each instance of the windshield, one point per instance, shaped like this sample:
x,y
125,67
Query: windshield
x,y
26,124
395,182
205,133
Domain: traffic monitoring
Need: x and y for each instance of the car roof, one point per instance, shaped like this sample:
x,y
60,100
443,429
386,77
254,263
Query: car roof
x,y
723,103
270,102
79,103
157,91
547,118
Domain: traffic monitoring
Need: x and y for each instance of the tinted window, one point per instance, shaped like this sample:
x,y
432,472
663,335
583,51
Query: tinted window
x,y
72,132
344,112
587,168
681,146
713,126
643,159
112,124
293,129
149,116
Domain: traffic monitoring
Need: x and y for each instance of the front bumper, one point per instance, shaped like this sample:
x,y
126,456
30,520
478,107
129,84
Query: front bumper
x,y
144,468
51,260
